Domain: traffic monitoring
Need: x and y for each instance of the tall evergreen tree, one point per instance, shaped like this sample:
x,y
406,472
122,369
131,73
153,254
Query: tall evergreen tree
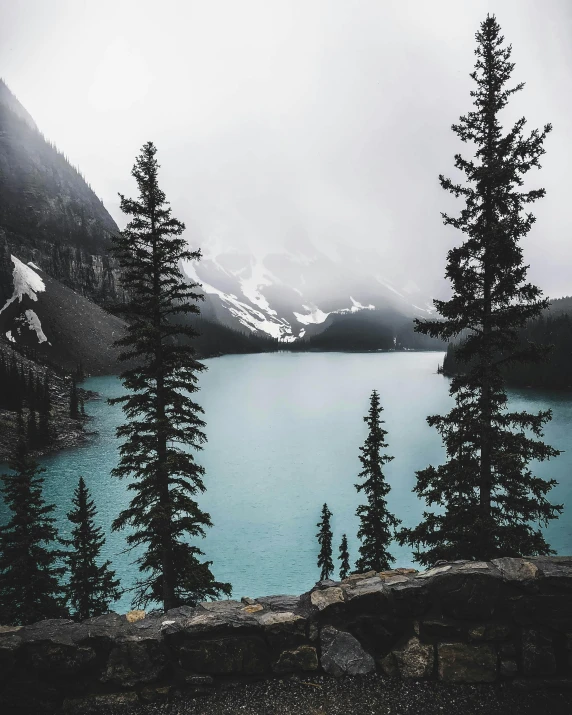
x,y
377,524
45,409
30,588
162,418
32,432
74,401
492,504
344,558
324,535
91,587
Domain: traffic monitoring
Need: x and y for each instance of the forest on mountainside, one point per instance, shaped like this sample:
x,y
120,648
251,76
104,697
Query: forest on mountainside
x,y
553,327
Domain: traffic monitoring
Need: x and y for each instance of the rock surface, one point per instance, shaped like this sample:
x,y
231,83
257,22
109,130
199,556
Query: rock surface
x,y
342,654
507,623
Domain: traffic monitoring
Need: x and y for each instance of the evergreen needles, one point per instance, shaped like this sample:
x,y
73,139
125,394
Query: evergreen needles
x,y
30,589
377,524
344,558
324,535
91,587
491,503
163,421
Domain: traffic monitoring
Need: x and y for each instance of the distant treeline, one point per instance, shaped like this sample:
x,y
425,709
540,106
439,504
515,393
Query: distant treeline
x,y
369,331
553,327
24,388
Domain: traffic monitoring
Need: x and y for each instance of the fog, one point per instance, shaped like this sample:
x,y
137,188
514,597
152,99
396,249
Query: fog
x,y
281,121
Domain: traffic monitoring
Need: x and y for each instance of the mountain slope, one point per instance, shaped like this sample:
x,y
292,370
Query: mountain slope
x,y
48,319
48,212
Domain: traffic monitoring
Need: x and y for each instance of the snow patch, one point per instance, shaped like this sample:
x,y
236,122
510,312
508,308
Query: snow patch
x,y
26,282
10,336
356,305
250,317
316,316
33,265
34,324
250,288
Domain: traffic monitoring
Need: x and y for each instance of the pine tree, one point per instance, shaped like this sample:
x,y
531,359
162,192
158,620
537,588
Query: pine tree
x,y
45,404
162,418
324,535
487,493
32,437
91,587
377,524
344,558
74,401
30,589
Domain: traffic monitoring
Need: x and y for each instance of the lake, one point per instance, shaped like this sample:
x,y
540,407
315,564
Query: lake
x,y
284,431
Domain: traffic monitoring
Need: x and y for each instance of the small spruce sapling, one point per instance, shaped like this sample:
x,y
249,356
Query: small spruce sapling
x,y
325,562
377,524
344,558
92,586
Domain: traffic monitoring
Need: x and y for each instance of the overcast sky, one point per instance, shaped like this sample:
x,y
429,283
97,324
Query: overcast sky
x,y
279,119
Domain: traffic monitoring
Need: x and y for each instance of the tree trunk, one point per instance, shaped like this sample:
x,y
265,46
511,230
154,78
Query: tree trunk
x,y
162,471
486,356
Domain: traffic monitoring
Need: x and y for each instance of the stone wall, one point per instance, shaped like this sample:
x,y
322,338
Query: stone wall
x,y
462,622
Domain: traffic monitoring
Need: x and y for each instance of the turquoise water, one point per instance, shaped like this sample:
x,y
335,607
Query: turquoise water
x,y
284,433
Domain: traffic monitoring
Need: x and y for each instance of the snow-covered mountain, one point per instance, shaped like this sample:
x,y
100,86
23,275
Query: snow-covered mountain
x,y
292,294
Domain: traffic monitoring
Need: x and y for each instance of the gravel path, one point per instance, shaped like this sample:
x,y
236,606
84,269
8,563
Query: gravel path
x,y
370,695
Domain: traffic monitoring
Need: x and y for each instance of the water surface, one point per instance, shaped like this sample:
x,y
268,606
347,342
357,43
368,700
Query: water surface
x,y
284,432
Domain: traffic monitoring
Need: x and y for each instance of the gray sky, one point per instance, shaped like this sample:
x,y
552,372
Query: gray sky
x,y
276,119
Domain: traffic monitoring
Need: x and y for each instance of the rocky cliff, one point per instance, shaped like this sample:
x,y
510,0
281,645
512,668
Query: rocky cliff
x,y
48,212
55,324
505,621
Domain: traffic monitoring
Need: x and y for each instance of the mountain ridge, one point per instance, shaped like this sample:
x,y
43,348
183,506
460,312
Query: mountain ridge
x,y
48,213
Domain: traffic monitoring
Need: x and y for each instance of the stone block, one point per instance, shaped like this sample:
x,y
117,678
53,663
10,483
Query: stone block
x,y
437,571
304,658
134,616
280,602
134,661
412,660
410,599
342,654
283,629
467,663
537,653
508,668
436,631
490,632
513,569
467,596
60,661
323,599
234,655
254,608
